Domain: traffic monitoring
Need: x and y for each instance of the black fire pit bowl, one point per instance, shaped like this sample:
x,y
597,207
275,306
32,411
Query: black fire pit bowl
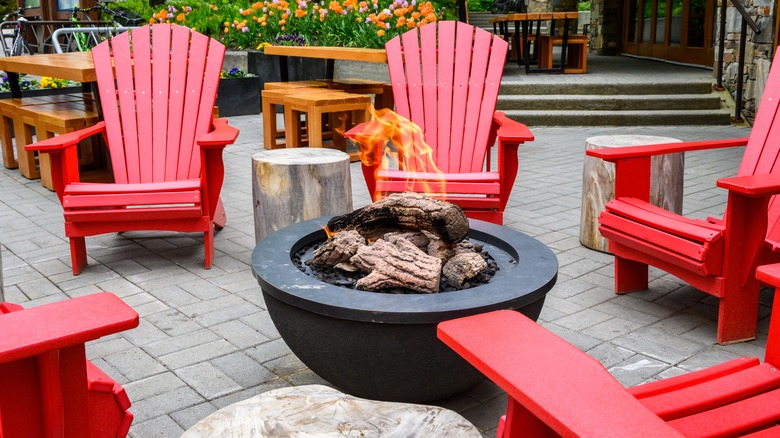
x,y
384,346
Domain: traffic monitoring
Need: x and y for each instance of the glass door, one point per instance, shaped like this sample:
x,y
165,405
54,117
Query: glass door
x,y
675,30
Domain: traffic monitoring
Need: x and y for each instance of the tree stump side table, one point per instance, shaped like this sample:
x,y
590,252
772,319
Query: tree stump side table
x,y
598,183
293,185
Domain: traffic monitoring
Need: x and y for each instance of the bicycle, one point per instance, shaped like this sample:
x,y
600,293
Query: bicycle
x,y
17,23
95,31
507,6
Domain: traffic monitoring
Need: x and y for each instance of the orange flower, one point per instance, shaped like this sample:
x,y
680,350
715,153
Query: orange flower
x,y
380,32
180,17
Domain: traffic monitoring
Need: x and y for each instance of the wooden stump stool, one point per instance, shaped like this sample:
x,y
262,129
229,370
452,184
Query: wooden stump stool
x,y
598,183
293,185
317,410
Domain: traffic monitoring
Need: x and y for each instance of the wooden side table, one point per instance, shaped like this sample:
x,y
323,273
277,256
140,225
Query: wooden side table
x,y
598,183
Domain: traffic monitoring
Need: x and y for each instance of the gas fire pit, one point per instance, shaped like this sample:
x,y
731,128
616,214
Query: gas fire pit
x,y
384,346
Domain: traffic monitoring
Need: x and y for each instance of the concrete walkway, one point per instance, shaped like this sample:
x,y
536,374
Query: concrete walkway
x,y
206,340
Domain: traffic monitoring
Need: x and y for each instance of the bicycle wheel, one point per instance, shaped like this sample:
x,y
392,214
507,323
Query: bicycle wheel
x,y
20,47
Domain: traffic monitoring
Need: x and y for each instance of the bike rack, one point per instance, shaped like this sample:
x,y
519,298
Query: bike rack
x,y
40,29
100,31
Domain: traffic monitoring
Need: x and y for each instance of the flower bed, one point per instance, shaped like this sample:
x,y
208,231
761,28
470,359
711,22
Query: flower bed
x,y
347,23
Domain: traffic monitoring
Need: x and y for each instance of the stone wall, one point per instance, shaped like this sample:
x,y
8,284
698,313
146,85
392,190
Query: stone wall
x,y
605,23
758,52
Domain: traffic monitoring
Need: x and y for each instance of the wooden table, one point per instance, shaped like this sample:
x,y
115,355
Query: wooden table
x,y
322,52
76,66
525,22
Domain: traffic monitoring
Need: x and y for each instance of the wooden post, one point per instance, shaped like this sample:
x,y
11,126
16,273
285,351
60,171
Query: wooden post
x,y
292,185
598,183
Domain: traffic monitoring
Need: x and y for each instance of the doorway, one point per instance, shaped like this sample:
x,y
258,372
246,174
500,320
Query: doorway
x,y
673,30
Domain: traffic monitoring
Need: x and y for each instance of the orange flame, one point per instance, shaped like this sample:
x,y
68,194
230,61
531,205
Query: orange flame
x,y
390,140
328,232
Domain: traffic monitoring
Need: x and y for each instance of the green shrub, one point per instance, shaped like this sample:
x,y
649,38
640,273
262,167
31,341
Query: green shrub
x,y
479,5
583,6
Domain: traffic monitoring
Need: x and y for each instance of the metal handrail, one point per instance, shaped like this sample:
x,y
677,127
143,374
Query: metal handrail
x,y
108,30
746,21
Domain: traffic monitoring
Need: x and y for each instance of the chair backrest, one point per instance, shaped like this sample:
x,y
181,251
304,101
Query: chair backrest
x,y
445,78
157,99
762,154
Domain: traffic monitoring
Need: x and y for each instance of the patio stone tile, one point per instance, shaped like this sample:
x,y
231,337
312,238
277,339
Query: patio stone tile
x,y
198,353
38,288
167,345
249,393
652,343
583,319
135,363
637,369
239,334
610,328
145,334
285,365
157,406
609,354
149,387
209,381
187,417
107,346
172,322
243,369
160,427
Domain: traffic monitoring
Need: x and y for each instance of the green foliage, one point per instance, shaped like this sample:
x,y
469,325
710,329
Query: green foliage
x,y
7,6
479,5
583,6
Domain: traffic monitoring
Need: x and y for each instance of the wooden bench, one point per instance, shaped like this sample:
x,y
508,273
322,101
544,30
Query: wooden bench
x,y
9,108
58,116
576,52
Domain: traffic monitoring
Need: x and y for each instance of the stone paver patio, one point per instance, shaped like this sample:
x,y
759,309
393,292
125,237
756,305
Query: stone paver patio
x,y
206,340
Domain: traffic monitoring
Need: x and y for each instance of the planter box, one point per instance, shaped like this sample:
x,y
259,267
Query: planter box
x,y
44,92
239,96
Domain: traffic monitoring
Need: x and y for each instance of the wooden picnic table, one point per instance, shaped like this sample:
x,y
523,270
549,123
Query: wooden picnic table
x,y
524,25
324,52
75,66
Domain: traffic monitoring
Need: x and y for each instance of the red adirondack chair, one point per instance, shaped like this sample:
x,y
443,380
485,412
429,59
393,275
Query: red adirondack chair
x,y
165,147
557,390
47,386
718,256
445,78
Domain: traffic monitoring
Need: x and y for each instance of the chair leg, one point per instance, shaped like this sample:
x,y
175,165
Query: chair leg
x,y
220,217
738,313
208,246
78,254
520,422
630,275
7,141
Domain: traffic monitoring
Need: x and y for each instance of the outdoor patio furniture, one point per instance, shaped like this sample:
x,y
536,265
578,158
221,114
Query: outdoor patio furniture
x,y
557,390
289,412
48,387
455,109
168,175
718,256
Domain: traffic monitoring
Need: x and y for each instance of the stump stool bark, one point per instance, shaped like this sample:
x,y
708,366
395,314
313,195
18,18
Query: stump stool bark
x,y
292,185
598,183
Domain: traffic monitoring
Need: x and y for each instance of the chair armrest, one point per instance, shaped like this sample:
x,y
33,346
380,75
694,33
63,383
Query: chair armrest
x,y
62,324
222,135
560,385
752,185
511,130
614,154
60,142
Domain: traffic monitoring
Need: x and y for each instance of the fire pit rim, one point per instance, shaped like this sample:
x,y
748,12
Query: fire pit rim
x,y
277,275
